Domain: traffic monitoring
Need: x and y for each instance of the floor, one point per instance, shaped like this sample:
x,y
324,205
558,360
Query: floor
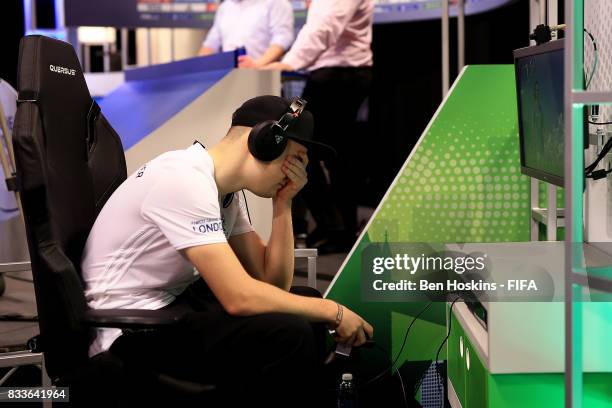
x,y
17,301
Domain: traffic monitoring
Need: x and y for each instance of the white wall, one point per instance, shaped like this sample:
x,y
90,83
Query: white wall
x,y
167,44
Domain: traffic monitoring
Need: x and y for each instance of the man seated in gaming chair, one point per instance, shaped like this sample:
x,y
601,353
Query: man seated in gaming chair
x,y
251,336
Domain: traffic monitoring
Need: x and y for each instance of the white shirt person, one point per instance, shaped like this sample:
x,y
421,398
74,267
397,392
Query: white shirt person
x,y
264,27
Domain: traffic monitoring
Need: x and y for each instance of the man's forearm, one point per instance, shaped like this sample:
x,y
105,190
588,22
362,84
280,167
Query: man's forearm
x,y
279,256
273,53
264,298
242,295
204,51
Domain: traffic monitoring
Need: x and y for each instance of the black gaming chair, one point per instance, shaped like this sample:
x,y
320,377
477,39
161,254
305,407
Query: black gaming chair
x,y
69,161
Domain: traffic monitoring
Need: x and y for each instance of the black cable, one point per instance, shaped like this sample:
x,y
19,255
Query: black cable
x,y
392,366
450,321
402,386
247,207
378,376
399,374
592,39
598,174
587,82
590,171
8,210
604,151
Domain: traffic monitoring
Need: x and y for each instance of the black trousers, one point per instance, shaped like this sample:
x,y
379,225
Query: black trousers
x,y
334,96
270,360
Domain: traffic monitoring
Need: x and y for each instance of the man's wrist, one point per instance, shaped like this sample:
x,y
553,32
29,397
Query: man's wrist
x,y
289,62
281,204
334,315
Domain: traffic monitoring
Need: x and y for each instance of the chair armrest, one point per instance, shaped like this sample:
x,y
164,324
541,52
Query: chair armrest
x,y
130,318
306,253
311,254
15,267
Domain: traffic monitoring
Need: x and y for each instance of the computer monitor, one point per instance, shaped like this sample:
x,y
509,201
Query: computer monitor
x,y
539,75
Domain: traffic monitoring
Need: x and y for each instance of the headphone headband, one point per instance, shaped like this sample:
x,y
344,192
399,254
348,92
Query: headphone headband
x,y
297,105
295,109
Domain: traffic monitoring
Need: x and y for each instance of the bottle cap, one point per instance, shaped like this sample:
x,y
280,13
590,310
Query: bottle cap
x,y
347,377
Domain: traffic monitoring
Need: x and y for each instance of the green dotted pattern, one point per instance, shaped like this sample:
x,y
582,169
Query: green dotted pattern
x,y
543,195
461,184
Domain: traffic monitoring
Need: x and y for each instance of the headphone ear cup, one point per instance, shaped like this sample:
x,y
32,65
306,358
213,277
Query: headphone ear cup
x,y
263,143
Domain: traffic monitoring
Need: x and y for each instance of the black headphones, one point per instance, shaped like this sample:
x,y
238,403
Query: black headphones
x,y
267,140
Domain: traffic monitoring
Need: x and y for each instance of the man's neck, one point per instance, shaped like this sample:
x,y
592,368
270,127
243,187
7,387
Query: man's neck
x,y
227,169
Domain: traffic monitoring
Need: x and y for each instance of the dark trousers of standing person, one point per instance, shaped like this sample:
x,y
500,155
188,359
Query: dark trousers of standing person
x,y
271,360
334,96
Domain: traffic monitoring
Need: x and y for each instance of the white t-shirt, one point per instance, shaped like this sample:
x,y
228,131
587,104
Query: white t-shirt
x,y
253,24
131,259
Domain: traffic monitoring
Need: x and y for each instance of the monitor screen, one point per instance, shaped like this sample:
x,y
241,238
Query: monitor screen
x,y
539,75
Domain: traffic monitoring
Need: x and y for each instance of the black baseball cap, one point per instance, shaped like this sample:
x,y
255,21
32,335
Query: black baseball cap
x,y
270,107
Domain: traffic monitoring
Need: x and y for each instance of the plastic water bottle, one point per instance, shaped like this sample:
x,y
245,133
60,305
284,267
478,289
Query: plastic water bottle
x,y
347,392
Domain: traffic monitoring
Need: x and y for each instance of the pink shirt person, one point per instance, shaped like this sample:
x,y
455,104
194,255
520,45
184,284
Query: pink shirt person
x,y
337,33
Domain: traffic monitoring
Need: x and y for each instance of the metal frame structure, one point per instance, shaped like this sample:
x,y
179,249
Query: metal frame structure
x,y
576,274
576,277
551,216
574,86
446,42
311,255
25,357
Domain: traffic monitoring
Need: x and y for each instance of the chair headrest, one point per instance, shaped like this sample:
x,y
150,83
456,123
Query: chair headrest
x,y
49,71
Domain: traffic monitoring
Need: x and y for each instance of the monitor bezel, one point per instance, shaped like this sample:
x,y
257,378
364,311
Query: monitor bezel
x,y
518,54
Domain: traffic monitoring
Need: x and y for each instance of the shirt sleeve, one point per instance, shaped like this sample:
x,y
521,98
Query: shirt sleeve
x,y
214,39
281,23
320,32
242,225
186,210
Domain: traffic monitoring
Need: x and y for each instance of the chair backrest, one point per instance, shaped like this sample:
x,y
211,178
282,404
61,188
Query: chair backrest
x,y
69,161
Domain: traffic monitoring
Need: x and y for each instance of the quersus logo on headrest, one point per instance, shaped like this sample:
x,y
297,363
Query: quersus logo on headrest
x,y
62,70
